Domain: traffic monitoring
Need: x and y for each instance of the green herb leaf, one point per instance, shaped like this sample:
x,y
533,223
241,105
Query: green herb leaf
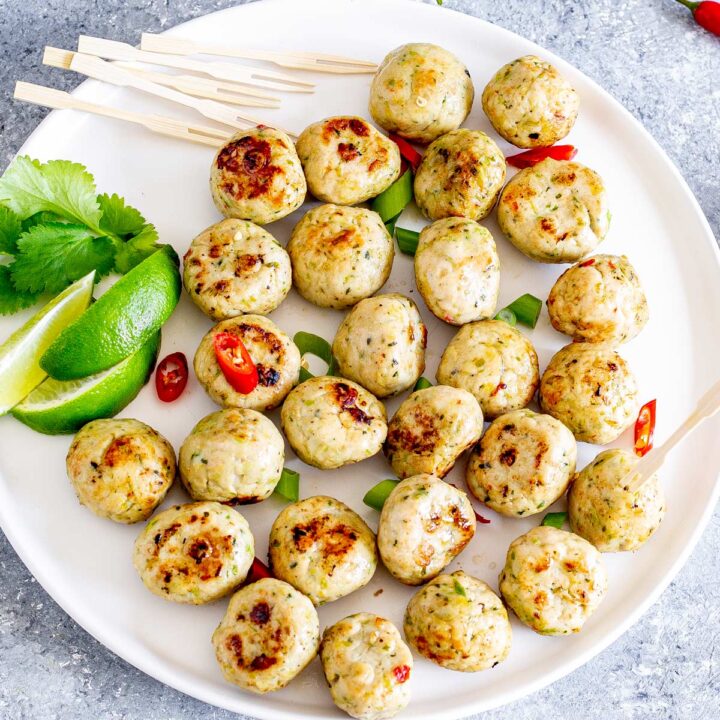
x,y
54,255
119,218
11,300
10,230
40,219
135,250
59,186
459,589
556,520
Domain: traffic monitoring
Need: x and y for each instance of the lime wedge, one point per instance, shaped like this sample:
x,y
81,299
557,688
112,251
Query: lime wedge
x,y
20,370
120,322
56,407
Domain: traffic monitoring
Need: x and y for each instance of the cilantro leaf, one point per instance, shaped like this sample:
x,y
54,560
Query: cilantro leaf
x,y
117,217
10,230
10,299
54,255
135,250
39,219
59,186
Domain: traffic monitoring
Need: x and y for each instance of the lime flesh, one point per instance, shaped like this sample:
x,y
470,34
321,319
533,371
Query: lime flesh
x,y
56,407
20,370
120,322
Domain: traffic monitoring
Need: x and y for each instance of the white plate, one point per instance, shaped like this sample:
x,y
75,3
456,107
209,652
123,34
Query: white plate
x,y
84,562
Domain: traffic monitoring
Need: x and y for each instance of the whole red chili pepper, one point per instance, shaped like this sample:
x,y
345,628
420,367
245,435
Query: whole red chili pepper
x,y
706,14
171,377
533,157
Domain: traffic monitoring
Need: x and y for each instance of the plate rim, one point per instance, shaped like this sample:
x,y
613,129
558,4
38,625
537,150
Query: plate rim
x,y
253,704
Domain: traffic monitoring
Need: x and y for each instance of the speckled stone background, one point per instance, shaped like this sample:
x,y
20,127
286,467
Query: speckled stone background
x,y
666,71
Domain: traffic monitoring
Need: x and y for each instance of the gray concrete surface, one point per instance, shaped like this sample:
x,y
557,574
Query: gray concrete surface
x,y
666,71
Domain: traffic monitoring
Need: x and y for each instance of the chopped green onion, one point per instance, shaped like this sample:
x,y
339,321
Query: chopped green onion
x,y
422,384
459,589
289,485
392,201
376,496
390,225
307,343
527,309
407,240
556,520
506,315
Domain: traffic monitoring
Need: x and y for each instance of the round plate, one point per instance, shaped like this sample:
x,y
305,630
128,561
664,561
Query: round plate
x,y
84,562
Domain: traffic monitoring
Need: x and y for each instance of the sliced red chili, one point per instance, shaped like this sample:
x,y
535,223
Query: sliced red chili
x,y
645,428
407,151
235,362
258,571
401,673
533,157
587,263
482,520
171,377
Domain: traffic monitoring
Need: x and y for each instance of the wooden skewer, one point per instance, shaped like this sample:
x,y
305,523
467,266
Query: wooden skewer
x,y
60,100
204,87
252,76
709,404
199,87
108,72
293,59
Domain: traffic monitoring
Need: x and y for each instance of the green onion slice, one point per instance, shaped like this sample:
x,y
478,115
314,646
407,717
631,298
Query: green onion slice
x,y
407,240
308,343
527,309
289,485
422,384
556,520
459,589
390,225
507,315
376,496
392,201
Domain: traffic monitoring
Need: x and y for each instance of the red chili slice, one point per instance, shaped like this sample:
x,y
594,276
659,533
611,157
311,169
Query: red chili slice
x,y
171,377
533,157
407,151
401,673
258,571
235,362
645,428
587,263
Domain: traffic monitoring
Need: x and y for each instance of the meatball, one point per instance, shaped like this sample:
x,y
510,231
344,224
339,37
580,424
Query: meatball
x,y
591,389
234,456
257,176
599,300
424,524
420,92
608,514
346,160
457,270
555,211
431,429
120,469
493,361
276,357
461,175
530,104
236,267
322,548
340,255
381,344
524,463
553,580
458,622
194,553
330,422
269,634
367,666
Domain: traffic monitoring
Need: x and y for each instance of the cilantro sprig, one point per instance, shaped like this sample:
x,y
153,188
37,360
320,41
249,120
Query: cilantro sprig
x,y
55,228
